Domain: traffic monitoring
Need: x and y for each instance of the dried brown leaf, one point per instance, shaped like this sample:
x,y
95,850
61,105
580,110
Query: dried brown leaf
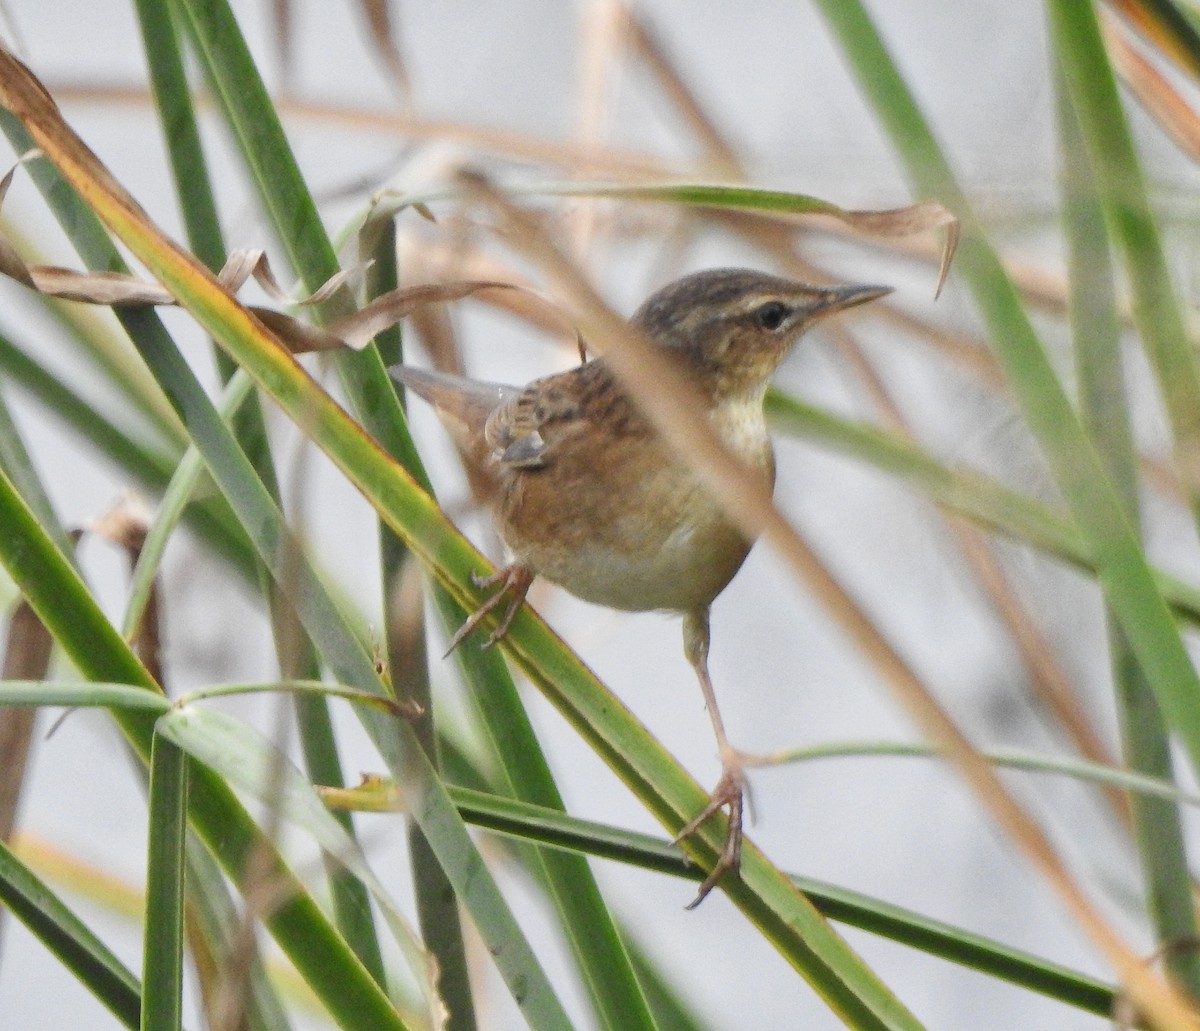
x,y
1162,101
26,657
383,37
645,43
126,525
916,218
357,330
389,308
354,331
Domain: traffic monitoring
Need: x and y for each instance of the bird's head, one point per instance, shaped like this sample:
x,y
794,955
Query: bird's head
x,y
732,327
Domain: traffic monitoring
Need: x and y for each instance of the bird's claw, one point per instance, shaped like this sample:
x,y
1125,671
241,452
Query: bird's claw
x,y
514,583
730,791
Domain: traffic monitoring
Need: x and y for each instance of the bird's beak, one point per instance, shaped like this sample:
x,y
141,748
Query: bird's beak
x,y
841,297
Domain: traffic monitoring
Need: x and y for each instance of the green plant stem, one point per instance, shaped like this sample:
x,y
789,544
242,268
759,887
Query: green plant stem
x,y
162,962
408,661
83,954
298,658
64,604
1108,535
611,981
1096,333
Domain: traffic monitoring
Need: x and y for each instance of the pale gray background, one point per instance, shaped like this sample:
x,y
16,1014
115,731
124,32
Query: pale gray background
x,y
772,76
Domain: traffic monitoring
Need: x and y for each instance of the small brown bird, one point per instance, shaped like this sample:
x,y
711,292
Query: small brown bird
x,y
588,495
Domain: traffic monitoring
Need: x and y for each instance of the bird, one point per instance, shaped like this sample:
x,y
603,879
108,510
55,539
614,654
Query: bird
x,y
589,496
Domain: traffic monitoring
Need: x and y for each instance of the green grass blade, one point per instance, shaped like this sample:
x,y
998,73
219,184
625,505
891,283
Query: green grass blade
x,y
177,118
171,509
64,604
162,951
1096,334
92,336
980,499
1108,536
150,465
90,694
15,461
216,920
249,762
209,517
670,1010
408,660
1120,187
65,935
606,969
527,822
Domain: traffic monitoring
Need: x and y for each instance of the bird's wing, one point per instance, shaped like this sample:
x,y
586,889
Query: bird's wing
x,y
463,405
524,430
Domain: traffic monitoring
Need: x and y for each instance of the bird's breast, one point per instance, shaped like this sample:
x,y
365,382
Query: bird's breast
x,y
630,525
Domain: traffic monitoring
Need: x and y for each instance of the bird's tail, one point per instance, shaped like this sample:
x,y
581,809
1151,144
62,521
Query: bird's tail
x,y
463,405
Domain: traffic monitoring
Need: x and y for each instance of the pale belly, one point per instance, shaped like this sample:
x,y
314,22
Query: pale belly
x,y
685,569
650,538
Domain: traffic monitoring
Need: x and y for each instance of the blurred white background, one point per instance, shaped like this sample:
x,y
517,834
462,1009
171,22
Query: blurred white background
x,y
770,76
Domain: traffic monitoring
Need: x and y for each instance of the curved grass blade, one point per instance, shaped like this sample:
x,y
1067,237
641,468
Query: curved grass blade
x,y
1122,568
15,460
88,694
162,947
175,500
64,934
60,598
525,822
1120,189
970,494
1096,335
248,761
599,953
208,517
785,917
916,218
1107,534
408,660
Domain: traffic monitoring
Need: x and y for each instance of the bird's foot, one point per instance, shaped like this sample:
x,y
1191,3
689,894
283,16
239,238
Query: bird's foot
x,y
514,584
730,791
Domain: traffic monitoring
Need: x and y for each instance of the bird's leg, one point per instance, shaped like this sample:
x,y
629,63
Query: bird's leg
x,y
731,788
514,583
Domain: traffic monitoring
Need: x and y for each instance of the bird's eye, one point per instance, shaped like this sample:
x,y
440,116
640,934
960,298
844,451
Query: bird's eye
x,y
771,315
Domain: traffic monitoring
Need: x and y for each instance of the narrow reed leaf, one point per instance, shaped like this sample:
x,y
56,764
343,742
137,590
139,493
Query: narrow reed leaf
x,y
248,761
60,598
1096,336
611,981
162,945
1121,191
968,493
82,695
83,954
171,510
1109,538
788,920
525,822
915,218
